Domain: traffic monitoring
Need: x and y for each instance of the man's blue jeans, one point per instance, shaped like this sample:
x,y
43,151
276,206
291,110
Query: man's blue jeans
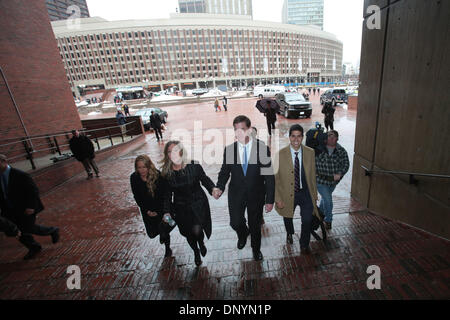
x,y
326,203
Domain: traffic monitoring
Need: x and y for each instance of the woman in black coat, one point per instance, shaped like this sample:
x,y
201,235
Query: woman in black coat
x,y
148,189
190,206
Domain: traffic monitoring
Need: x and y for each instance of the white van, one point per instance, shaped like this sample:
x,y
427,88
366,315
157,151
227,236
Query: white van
x,y
268,91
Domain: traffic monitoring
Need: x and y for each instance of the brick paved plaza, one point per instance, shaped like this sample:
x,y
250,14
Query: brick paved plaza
x,y
102,232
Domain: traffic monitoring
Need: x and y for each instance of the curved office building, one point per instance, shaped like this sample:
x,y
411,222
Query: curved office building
x,y
195,50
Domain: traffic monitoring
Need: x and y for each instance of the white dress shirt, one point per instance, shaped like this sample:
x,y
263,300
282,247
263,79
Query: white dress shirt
x,y
300,163
241,151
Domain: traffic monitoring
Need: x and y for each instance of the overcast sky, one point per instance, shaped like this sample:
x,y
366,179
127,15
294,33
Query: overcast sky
x,y
341,17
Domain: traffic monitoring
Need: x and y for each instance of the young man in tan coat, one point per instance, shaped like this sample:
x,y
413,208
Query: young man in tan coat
x,y
295,185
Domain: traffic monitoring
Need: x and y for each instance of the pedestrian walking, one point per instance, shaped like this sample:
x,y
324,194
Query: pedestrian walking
x,y
149,188
331,166
190,207
155,123
296,162
225,103
83,150
126,109
271,117
216,104
247,164
20,203
328,111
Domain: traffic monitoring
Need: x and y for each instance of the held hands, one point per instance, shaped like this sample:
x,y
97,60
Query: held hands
x,y
217,193
269,207
151,213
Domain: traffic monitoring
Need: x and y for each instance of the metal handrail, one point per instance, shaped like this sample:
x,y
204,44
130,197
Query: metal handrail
x,y
411,175
56,148
64,133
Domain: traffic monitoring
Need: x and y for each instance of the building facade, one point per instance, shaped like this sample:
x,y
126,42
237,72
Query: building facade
x,y
197,50
64,9
303,12
239,7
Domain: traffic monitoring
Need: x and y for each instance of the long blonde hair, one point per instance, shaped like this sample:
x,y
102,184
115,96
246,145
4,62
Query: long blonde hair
x,y
167,163
152,174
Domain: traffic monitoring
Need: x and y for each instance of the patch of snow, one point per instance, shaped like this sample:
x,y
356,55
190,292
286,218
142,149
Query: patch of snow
x,y
165,98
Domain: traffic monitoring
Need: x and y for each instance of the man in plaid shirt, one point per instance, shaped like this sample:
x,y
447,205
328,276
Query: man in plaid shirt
x,y
331,165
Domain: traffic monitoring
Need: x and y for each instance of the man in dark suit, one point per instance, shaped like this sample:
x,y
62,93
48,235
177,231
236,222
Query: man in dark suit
x,y
20,203
252,184
155,123
83,150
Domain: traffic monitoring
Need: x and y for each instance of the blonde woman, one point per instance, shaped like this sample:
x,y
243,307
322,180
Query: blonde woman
x,y
190,207
148,189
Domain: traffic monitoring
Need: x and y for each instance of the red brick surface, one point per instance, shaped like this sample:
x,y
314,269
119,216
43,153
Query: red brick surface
x,y
35,73
102,232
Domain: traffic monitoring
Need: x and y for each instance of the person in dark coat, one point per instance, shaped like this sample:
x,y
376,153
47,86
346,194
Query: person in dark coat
x,y
120,118
126,109
328,112
190,207
20,203
83,150
155,123
271,118
252,184
225,102
148,189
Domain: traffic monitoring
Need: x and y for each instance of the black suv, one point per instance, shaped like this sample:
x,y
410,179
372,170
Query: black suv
x,y
293,104
334,96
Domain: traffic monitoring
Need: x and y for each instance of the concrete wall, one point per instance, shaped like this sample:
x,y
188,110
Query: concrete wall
x,y
403,113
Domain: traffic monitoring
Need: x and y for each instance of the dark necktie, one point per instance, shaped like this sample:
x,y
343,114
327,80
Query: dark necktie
x,y
297,173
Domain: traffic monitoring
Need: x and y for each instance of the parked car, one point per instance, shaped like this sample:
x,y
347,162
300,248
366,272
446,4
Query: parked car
x,y
268,91
293,105
335,96
147,112
199,91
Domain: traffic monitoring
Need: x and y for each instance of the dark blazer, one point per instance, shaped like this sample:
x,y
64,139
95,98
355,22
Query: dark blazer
x,y
255,189
9,228
155,121
143,198
271,115
22,194
82,147
197,199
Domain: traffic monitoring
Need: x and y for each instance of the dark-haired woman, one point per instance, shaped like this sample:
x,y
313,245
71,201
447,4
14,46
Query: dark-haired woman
x,y
148,189
190,207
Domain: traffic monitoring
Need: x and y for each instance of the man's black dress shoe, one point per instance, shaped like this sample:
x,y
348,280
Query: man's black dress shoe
x,y
242,241
203,249
257,255
55,235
